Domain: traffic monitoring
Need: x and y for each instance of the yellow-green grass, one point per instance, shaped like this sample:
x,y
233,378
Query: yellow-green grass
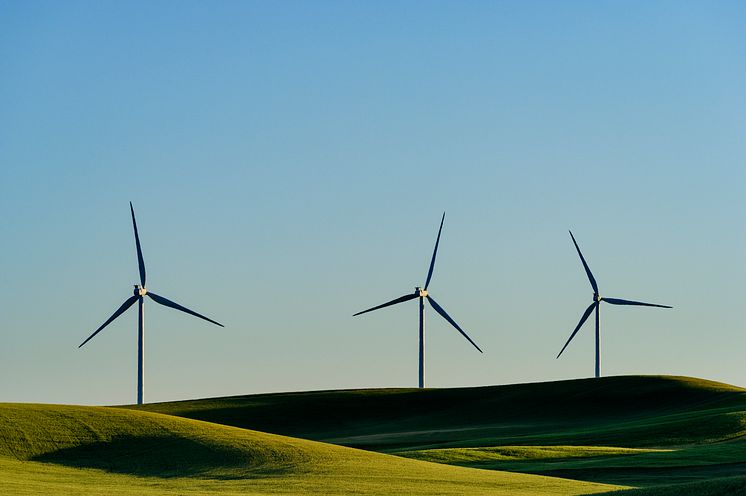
x,y
469,456
51,449
644,467
629,431
683,428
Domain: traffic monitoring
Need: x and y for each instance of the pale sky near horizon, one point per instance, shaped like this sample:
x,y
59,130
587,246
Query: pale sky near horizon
x,y
289,163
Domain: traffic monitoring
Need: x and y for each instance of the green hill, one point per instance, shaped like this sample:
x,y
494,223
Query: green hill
x,y
51,449
666,435
726,486
636,430
634,411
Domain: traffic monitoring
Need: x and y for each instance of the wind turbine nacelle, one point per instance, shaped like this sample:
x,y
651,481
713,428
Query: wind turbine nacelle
x,y
597,297
420,292
140,291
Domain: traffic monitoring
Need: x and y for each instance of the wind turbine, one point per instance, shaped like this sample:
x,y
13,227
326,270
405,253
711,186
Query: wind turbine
x,y
423,294
597,299
139,296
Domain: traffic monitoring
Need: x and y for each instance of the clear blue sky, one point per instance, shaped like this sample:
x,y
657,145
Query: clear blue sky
x,y
289,163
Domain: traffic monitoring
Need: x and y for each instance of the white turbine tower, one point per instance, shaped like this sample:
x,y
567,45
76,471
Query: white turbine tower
x,y
597,299
139,296
423,294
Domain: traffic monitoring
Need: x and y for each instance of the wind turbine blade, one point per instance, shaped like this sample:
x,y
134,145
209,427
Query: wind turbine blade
x,y
169,303
128,303
140,261
585,265
580,324
435,252
443,314
617,301
408,297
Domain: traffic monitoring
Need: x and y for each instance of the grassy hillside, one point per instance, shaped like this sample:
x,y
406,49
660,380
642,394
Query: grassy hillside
x,y
671,435
727,486
49,449
636,430
635,411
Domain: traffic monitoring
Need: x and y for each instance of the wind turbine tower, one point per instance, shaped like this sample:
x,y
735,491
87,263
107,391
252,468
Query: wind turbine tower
x,y
138,296
423,294
596,305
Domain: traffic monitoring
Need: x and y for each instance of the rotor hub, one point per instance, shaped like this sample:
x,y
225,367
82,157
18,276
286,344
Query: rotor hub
x,y
597,297
140,291
420,292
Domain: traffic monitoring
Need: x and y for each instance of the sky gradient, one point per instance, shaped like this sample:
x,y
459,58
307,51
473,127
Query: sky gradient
x,y
289,163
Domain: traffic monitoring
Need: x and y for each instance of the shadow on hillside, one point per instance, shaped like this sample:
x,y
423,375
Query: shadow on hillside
x,y
644,476
612,411
165,457
726,486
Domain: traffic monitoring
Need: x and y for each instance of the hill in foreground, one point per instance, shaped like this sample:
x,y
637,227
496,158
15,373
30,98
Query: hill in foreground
x,y
50,449
636,430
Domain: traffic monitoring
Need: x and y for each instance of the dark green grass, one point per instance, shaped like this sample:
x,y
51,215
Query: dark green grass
x,y
700,424
634,411
672,435
636,468
726,486
53,449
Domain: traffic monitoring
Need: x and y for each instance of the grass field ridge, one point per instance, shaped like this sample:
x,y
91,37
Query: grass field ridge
x,y
59,449
659,410
630,430
660,433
